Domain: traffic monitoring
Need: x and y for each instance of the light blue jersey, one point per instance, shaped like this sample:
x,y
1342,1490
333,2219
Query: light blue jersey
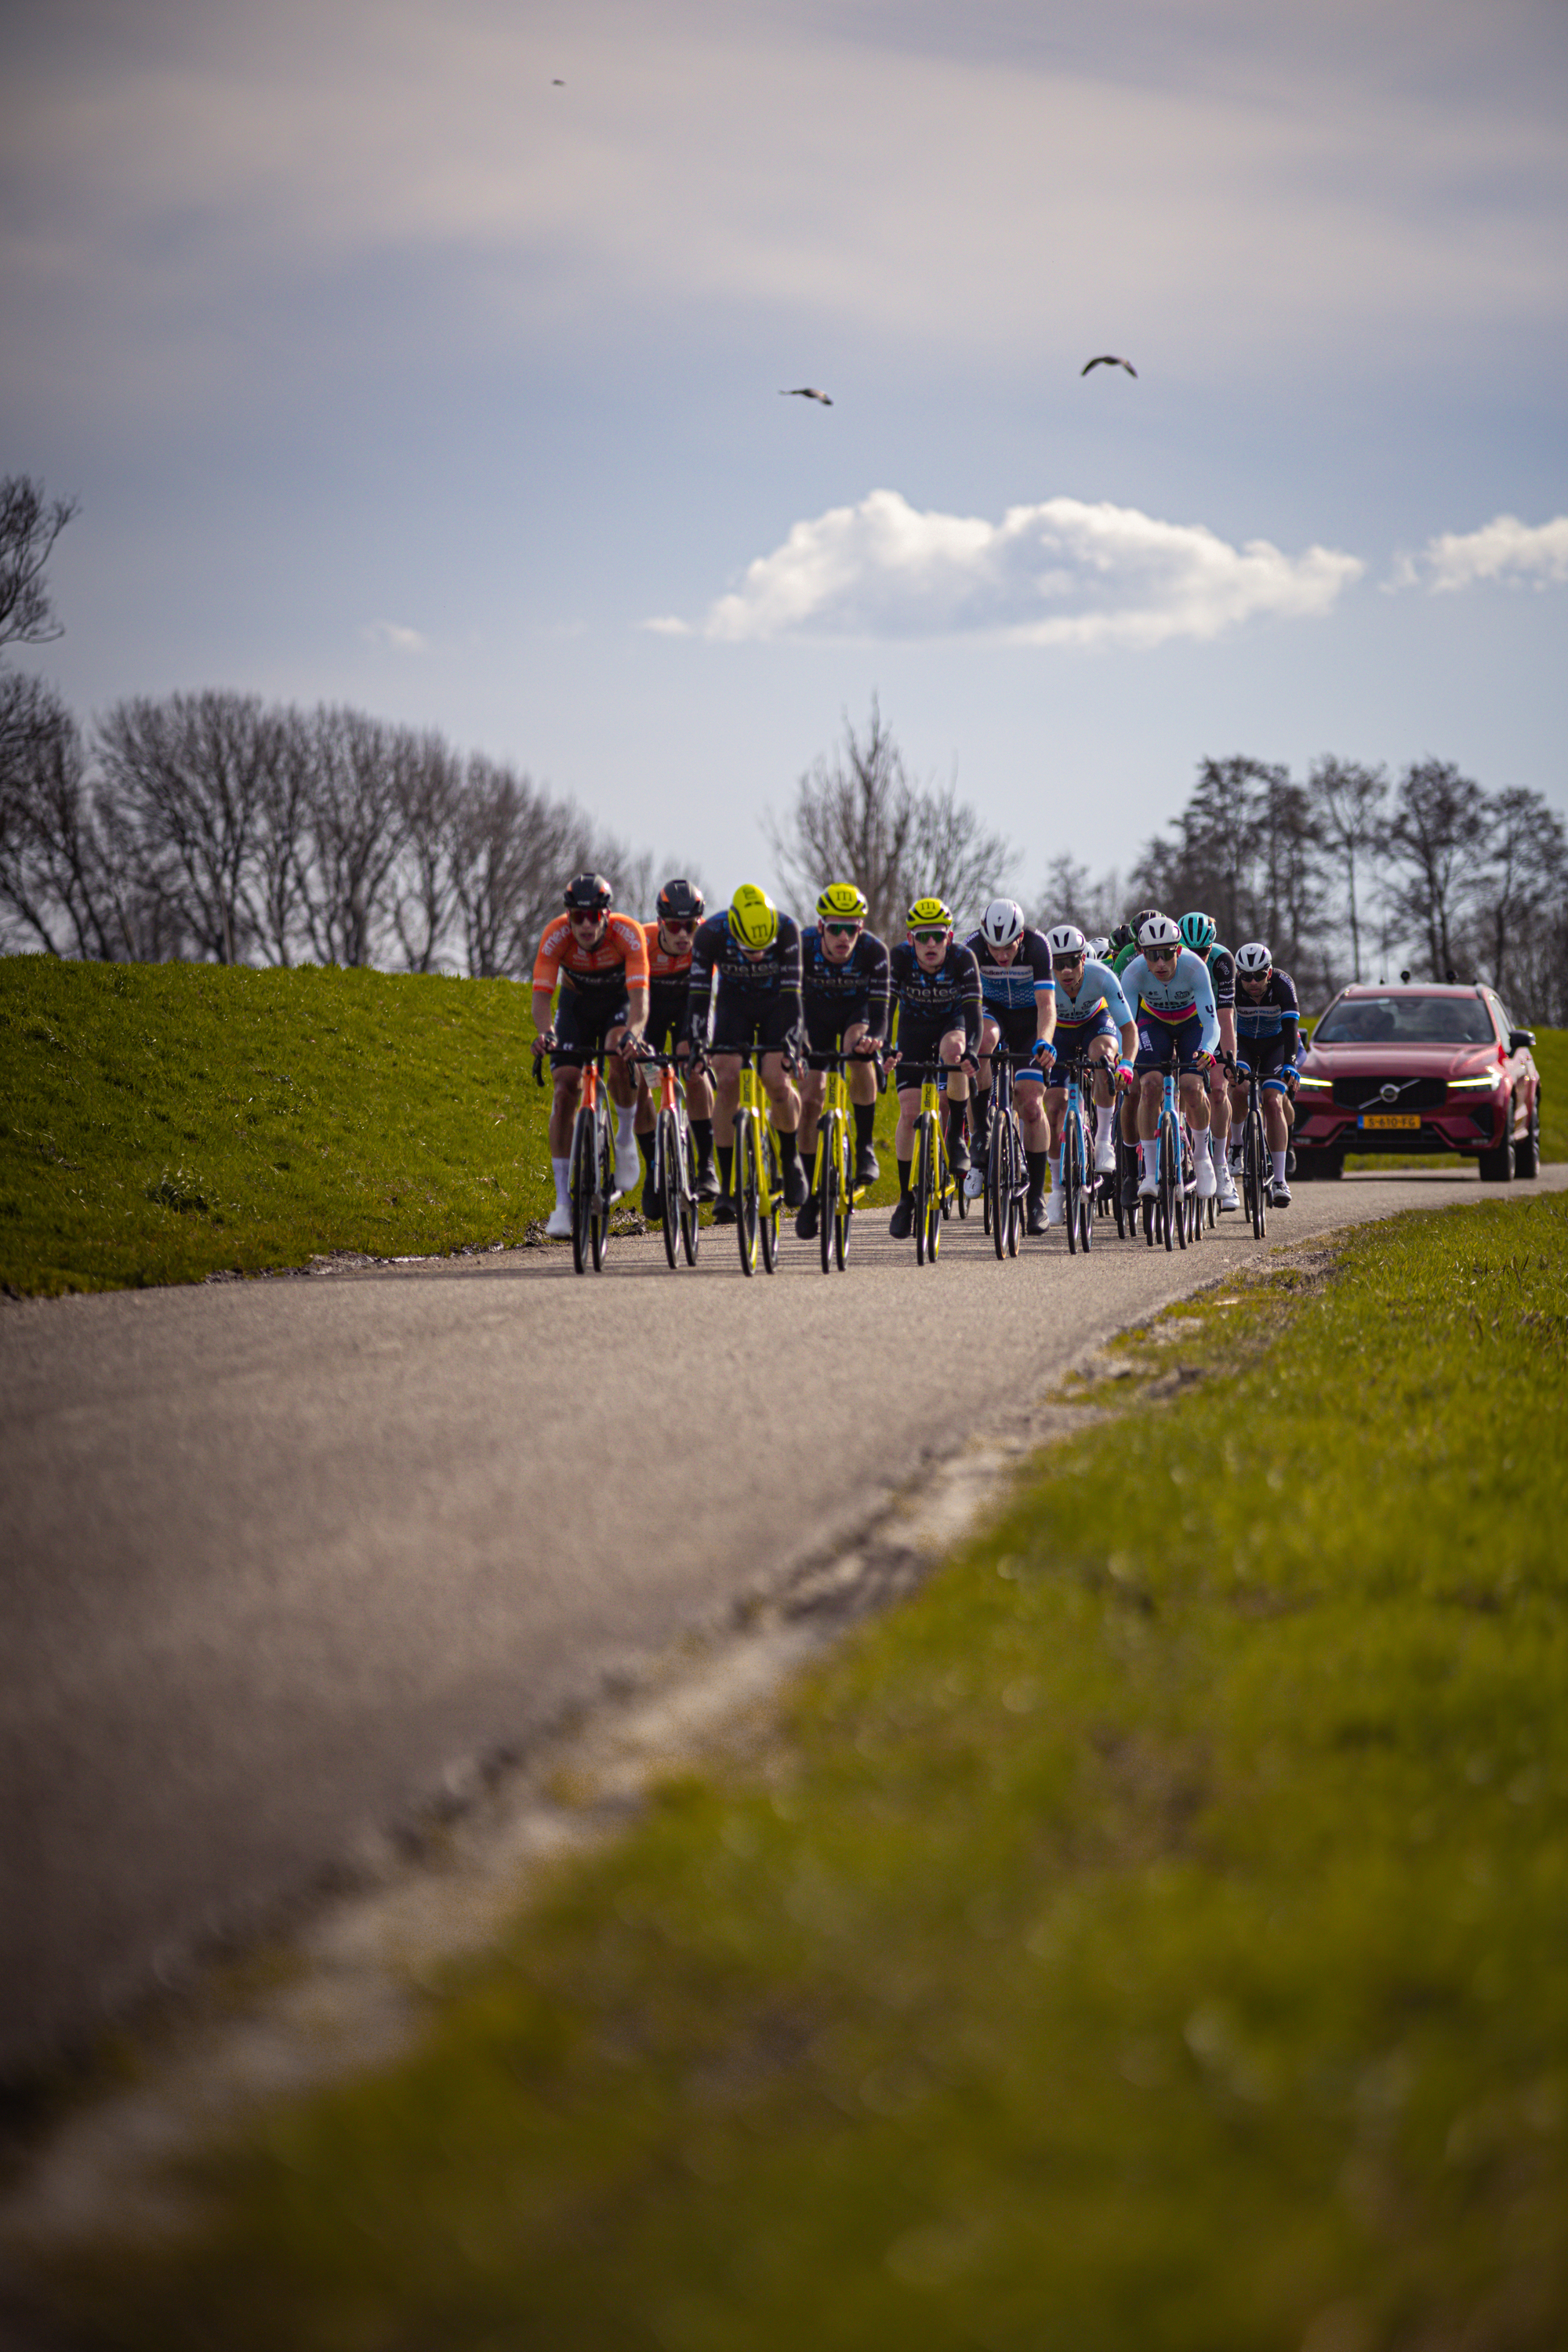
x,y
1188,992
1099,986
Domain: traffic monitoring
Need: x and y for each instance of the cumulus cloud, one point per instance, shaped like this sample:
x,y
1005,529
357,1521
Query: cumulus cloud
x,y
1060,574
1504,549
395,637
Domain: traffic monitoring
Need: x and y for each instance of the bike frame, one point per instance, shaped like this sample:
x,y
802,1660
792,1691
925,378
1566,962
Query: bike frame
x,y
1173,1195
758,1188
1006,1171
672,1170
1075,1167
1254,1147
832,1170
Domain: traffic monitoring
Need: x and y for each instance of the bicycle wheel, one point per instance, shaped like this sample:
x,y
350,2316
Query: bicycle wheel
x,y
937,1208
923,1184
1169,1181
690,1228
1072,1180
582,1172
1015,1186
1118,1178
1252,1173
666,1168
768,1211
599,1223
998,1183
746,1206
830,1177
1085,1207
845,1205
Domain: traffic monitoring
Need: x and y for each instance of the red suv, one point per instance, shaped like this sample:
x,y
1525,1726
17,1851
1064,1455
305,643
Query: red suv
x,y
1419,1069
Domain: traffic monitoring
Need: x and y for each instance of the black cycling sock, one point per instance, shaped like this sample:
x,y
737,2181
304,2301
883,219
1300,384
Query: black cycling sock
x,y
904,1167
787,1150
645,1145
954,1125
702,1136
1034,1162
981,1117
726,1160
865,1123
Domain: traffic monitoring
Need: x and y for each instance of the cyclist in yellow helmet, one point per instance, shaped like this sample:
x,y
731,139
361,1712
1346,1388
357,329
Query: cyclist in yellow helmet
x,y
843,988
935,985
748,960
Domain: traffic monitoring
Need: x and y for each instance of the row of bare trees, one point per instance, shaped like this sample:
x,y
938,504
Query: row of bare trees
x,y
1351,875
216,827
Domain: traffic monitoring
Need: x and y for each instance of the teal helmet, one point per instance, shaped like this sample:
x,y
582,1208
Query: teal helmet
x,y
1199,932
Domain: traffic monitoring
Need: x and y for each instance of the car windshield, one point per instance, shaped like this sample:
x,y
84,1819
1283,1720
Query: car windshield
x,y
1405,1021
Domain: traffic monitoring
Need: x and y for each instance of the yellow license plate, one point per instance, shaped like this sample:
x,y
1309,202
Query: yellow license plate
x,y
1389,1119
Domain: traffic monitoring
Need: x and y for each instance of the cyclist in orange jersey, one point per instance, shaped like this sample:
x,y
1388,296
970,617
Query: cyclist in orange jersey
x,y
681,907
598,960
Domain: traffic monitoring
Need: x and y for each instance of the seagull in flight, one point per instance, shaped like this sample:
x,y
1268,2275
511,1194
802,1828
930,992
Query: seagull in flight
x,y
1109,358
804,392
557,83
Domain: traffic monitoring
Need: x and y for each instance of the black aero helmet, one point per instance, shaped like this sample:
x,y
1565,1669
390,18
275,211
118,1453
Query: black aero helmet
x,y
587,894
680,901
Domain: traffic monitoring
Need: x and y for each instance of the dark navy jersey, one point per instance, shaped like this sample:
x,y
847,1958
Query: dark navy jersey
x,y
716,958
950,995
1277,1010
1010,987
1222,971
857,987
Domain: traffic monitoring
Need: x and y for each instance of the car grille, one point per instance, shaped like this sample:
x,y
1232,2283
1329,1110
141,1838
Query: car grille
x,y
1415,1094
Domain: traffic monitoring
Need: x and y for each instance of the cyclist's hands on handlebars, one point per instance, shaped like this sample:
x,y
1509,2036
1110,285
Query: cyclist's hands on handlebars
x,y
1044,1053
1126,1077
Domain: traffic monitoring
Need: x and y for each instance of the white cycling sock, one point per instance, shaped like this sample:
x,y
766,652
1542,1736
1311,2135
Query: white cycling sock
x,y
624,1118
1216,1146
1146,1154
1280,1159
561,1171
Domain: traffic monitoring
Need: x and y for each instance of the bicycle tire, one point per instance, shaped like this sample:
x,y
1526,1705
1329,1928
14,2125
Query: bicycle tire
x,y
827,1190
599,1223
998,1184
582,1193
666,1163
1252,1154
768,1216
922,1183
1071,1180
746,1206
1086,1210
937,1210
690,1228
1168,1182
845,1205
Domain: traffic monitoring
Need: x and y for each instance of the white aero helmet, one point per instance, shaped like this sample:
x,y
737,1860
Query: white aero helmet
x,y
1066,940
1099,949
1254,959
1002,923
1158,931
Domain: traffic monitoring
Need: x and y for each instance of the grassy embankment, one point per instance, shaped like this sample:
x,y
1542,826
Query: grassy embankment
x,y
1150,1936
162,1122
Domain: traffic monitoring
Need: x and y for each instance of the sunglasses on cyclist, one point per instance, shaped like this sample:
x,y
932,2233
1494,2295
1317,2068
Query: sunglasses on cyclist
x,y
584,914
927,938
1162,955
685,925
1065,963
841,931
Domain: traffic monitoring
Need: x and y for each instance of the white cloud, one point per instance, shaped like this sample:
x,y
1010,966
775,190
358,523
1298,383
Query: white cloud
x,y
395,637
1060,573
1504,549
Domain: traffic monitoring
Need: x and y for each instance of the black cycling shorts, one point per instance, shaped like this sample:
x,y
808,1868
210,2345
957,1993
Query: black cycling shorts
x,y
762,1023
1019,1028
667,1021
828,1018
920,1040
1267,1056
581,1025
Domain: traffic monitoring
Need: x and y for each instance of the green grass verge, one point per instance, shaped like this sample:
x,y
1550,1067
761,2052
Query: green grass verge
x,y
1551,1051
1151,1935
163,1122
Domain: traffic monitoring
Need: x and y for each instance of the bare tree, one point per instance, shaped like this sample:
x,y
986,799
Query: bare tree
x,y
54,874
859,819
358,785
423,890
1521,883
191,775
29,526
1350,802
1069,895
1438,825
514,849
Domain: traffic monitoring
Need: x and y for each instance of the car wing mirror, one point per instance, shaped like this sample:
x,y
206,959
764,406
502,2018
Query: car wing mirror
x,y
1518,1038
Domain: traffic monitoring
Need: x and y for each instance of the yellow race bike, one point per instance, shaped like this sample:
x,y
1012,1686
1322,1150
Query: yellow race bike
x,y
833,1171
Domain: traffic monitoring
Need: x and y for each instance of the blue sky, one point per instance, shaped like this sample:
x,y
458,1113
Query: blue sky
x,y
388,370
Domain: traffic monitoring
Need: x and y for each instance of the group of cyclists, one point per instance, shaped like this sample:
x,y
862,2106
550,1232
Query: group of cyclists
x,y
749,980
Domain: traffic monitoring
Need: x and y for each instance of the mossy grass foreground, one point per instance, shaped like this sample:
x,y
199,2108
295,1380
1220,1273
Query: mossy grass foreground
x,y
1151,1935
164,1122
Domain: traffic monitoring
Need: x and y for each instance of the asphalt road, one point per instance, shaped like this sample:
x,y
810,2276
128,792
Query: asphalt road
x,y
277,1553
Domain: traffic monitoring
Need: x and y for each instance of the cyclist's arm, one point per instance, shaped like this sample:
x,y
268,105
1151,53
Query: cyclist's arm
x,y
547,969
789,971
1129,1041
1045,996
1204,1005
1225,1014
636,1006
700,987
543,1001
877,1003
970,1004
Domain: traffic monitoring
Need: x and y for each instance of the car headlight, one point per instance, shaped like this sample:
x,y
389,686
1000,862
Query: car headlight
x,y
1318,1085
1493,1078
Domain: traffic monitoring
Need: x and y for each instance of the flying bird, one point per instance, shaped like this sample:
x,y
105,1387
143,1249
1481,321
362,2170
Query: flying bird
x,y
804,392
1109,358
557,83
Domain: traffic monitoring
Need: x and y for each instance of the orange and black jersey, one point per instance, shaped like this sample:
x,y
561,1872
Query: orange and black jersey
x,y
716,958
855,990
620,961
949,994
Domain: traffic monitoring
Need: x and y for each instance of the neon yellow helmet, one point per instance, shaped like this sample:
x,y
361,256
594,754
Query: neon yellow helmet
x,y
842,902
931,915
753,918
